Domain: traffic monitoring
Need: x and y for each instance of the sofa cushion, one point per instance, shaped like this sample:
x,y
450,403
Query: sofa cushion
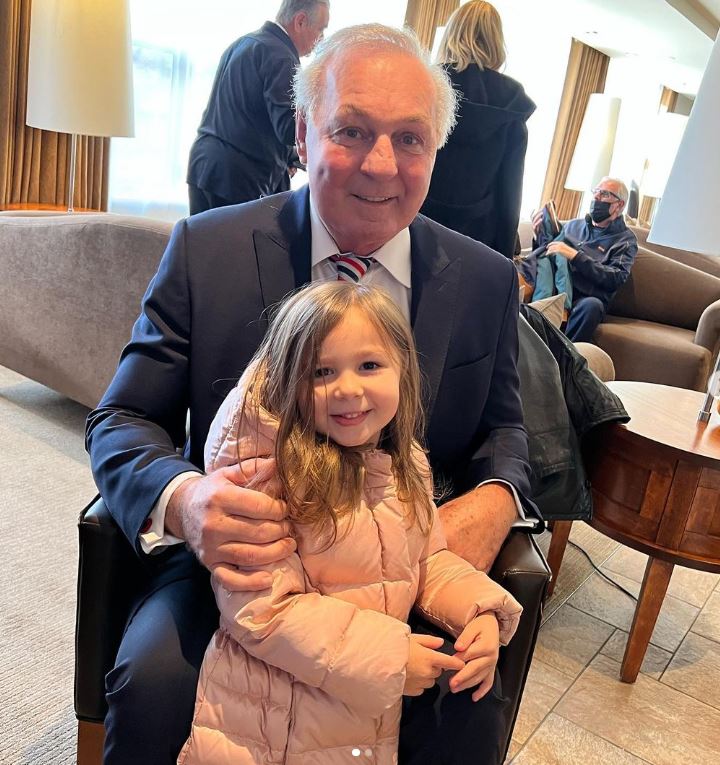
x,y
671,293
598,360
668,354
70,291
552,308
706,263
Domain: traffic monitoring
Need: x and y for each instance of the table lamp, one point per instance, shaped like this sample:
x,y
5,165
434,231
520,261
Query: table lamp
x,y
596,140
664,140
80,71
687,217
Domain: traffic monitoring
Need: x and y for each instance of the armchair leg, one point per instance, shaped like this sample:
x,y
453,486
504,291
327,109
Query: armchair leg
x,y
558,542
90,740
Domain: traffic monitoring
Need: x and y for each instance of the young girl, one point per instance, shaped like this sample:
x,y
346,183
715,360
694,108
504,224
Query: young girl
x,y
312,670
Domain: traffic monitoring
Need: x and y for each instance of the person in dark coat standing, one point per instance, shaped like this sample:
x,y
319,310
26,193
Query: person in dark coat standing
x,y
244,144
476,186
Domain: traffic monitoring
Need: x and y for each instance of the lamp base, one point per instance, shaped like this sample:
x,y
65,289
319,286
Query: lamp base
x,y
704,413
713,389
71,179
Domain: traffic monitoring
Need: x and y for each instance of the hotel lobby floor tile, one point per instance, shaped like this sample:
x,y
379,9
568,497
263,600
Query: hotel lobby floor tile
x,y
708,622
569,639
601,599
647,718
560,742
544,686
655,661
687,584
695,670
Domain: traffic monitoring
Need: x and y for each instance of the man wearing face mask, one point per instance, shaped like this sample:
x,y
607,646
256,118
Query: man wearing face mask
x,y
600,251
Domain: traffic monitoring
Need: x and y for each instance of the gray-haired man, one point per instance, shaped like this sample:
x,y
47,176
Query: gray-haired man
x,y
371,114
598,251
244,146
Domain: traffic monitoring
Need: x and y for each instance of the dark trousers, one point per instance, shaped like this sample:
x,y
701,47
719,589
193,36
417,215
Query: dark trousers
x,y
201,200
585,316
151,690
443,728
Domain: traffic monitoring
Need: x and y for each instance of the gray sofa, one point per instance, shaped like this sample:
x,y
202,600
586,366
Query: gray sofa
x,y
70,290
663,325
706,263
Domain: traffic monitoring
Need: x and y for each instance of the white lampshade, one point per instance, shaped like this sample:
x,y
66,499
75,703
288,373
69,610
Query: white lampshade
x,y
688,216
80,67
664,140
594,147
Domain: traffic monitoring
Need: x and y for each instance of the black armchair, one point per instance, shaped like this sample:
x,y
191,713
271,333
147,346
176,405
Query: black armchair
x,y
109,572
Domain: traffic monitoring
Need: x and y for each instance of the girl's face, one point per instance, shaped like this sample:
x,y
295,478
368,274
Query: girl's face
x,y
356,384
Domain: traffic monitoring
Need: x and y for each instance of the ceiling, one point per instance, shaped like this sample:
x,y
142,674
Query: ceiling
x,y
674,37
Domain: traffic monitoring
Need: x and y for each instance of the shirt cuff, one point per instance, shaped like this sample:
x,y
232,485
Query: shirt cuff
x,y
523,521
153,535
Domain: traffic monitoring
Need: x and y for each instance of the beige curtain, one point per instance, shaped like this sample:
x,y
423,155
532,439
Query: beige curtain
x,y
586,73
34,163
424,16
668,100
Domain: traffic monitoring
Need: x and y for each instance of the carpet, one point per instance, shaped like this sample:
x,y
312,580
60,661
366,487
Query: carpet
x,y
44,483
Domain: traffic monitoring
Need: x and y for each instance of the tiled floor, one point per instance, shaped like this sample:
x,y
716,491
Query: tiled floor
x,y
576,710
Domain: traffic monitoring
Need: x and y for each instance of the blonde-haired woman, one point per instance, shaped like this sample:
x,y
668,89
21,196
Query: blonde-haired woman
x,y
312,670
476,186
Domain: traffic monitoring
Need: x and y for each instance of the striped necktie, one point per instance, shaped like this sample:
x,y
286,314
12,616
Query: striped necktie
x,y
351,268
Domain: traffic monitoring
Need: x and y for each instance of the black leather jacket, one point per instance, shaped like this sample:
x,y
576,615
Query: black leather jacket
x,y
562,401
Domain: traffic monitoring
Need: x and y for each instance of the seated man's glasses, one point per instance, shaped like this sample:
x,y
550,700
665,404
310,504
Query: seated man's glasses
x,y
606,196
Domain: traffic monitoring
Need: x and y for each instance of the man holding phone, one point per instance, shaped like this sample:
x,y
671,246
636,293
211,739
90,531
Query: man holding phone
x,y
594,254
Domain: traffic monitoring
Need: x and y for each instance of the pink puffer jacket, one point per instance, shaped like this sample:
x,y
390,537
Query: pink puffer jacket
x,y
311,671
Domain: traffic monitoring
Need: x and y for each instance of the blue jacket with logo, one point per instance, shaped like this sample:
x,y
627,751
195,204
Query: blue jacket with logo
x,y
605,257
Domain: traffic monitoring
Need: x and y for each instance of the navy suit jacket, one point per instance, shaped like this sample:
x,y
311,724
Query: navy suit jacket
x,y
204,315
246,137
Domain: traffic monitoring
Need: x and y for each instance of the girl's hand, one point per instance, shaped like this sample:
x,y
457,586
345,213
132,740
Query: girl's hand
x,y
478,646
425,664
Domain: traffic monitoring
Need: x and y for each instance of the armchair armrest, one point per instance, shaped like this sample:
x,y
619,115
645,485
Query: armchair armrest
x,y
109,577
708,328
521,569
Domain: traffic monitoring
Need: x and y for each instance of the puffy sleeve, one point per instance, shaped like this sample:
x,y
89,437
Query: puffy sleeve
x,y
452,592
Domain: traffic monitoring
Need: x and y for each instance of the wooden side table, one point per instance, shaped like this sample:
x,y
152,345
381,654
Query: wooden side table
x,y
656,488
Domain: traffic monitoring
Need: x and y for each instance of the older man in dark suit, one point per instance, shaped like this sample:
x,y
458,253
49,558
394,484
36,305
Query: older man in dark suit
x,y
371,114
245,140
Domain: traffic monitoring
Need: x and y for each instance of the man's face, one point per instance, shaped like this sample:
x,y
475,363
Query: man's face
x,y
370,147
608,191
310,28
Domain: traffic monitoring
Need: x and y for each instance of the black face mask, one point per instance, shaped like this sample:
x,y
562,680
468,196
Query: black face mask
x,y
599,211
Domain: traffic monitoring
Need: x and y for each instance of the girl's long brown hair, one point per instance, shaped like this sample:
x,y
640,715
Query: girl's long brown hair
x,y
319,479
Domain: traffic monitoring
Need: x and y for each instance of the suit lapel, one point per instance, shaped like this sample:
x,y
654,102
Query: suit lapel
x,y
435,283
283,251
283,259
